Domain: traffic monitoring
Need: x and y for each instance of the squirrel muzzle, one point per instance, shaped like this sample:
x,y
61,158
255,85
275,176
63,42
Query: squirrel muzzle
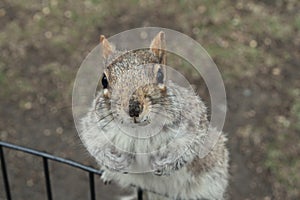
x,y
135,108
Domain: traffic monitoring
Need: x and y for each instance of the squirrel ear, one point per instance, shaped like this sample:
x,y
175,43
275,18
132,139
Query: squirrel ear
x,y
107,48
158,47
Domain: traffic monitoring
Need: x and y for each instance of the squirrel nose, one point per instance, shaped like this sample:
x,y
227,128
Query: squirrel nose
x,y
134,108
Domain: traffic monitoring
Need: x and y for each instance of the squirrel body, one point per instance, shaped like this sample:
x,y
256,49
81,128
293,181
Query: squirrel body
x,y
147,131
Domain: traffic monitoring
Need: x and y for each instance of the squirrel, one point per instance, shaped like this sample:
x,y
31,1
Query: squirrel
x,y
136,94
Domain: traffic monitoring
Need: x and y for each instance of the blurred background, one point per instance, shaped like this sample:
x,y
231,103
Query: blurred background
x,y
255,44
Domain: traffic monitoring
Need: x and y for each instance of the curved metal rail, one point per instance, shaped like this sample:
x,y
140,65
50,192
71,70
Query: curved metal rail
x,y
46,157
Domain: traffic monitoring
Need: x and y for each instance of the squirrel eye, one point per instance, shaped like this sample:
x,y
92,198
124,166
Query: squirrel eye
x,y
104,81
160,76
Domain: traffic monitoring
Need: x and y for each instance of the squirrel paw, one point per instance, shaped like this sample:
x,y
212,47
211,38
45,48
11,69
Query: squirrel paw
x,y
106,178
116,161
164,165
161,170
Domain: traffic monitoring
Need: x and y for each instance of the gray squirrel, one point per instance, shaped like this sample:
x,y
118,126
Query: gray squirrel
x,y
135,93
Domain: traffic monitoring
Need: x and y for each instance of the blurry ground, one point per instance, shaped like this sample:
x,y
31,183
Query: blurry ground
x,y
254,43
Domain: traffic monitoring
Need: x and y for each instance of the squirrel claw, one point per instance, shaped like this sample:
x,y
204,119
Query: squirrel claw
x,y
107,182
158,172
106,178
162,171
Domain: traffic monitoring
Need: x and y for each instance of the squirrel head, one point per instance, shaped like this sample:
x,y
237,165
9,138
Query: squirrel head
x,y
135,79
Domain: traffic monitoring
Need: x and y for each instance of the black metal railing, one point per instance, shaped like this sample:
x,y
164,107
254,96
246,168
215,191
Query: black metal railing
x,y
46,157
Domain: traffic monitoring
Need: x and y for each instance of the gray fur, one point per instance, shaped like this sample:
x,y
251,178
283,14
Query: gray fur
x,y
177,171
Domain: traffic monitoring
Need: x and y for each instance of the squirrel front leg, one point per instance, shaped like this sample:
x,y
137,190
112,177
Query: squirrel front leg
x,y
166,161
114,159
